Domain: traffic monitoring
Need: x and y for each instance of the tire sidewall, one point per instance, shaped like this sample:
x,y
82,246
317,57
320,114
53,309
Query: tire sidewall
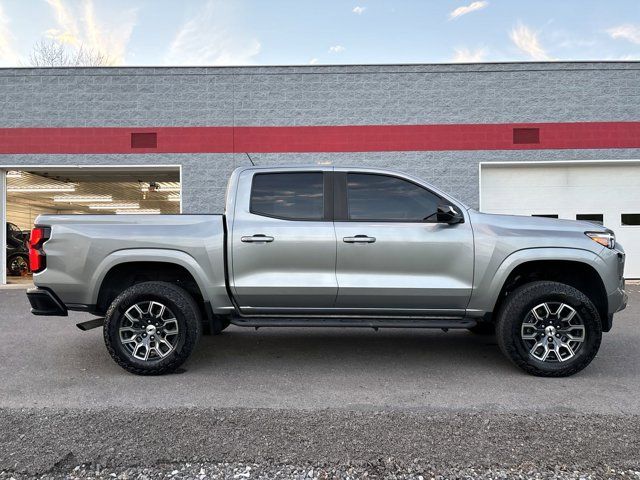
x,y
188,331
515,314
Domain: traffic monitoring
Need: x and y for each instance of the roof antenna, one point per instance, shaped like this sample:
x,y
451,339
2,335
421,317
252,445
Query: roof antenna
x,y
249,157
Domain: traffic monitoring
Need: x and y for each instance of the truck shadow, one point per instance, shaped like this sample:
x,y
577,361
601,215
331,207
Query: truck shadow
x,y
353,347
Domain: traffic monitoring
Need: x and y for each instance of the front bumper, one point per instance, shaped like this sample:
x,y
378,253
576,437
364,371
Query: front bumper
x,y
45,302
618,299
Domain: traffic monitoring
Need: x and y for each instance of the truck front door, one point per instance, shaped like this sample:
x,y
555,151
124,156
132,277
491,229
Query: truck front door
x,y
393,257
283,243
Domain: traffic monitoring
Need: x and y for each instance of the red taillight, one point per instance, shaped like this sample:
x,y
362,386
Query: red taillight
x,y
37,259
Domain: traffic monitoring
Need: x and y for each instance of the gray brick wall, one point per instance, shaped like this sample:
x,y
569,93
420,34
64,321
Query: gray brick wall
x,y
321,95
204,176
353,95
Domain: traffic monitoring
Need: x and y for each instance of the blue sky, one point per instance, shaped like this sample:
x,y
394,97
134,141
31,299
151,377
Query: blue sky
x,y
268,32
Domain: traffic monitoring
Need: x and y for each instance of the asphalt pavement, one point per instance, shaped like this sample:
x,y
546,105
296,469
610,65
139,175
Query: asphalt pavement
x,y
314,397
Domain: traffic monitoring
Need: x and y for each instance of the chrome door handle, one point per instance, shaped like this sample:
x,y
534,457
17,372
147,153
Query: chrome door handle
x,y
258,238
359,239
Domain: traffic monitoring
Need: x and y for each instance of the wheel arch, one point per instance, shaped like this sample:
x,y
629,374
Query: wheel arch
x,y
574,269
125,268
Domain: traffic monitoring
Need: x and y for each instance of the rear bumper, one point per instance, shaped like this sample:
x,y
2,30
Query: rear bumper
x,y
45,302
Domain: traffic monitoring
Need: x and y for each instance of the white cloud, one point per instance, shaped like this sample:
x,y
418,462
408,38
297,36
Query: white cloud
x,y
626,32
209,38
108,37
527,42
472,7
465,55
313,61
358,10
8,55
337,49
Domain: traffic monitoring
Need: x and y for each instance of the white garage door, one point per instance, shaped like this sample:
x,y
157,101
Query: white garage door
x,y
609,193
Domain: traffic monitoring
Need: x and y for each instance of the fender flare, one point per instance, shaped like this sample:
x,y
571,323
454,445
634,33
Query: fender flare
x,y
519,257
132,255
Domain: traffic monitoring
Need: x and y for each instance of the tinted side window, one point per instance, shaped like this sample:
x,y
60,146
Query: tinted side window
x,y
379,197
292,196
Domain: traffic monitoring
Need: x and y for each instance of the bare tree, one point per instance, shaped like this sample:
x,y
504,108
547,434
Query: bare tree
x,y
53,54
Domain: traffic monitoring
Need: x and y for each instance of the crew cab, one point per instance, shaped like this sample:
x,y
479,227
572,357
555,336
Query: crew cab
x,y
335,247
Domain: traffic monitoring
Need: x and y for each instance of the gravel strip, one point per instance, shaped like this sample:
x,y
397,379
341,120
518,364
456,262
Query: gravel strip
x,y
390,470
38,441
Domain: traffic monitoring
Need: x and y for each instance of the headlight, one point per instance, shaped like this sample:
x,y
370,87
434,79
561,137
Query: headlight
x,y
605,239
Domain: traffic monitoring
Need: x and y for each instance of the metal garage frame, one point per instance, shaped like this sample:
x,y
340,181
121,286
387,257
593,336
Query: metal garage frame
x,y
97,168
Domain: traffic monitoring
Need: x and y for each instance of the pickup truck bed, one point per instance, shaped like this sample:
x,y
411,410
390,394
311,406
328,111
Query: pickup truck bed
x,y
84,249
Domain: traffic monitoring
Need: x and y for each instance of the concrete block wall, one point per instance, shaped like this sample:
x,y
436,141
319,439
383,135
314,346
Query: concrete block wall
x,y
320,95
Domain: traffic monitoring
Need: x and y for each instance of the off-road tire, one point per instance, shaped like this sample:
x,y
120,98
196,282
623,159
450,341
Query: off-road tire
x,y
483,328
521,301
183,306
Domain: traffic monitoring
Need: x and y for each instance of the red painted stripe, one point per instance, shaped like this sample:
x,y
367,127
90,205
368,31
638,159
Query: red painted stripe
x,y
348,138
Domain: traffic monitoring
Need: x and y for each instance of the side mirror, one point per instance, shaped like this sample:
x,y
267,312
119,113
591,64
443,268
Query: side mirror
x,y
448,214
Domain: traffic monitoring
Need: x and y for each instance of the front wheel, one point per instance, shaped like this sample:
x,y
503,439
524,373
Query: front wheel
x,y
152,328
549,329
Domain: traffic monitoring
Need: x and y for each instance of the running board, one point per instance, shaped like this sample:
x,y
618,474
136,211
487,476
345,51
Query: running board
x,y
89,324
395,322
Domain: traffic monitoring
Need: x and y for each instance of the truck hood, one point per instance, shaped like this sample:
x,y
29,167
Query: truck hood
x,y
523,222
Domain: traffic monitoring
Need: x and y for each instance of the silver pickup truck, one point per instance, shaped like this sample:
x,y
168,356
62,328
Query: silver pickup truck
x,y
335,247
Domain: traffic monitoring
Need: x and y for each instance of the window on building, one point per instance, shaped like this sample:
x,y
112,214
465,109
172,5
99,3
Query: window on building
x,y
545,215
291,196
384,198
630,219
591,217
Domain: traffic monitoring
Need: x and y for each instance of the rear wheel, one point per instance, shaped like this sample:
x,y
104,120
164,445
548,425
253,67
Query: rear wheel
x,y
152,328
549,329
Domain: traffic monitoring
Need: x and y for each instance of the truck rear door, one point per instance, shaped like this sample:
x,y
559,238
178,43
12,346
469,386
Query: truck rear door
x,y
283,243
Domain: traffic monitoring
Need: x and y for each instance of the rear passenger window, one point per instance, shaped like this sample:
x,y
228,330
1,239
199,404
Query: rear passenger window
x,y
290,196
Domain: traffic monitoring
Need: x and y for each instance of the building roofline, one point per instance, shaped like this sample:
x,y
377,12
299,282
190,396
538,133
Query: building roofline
x,y
558,63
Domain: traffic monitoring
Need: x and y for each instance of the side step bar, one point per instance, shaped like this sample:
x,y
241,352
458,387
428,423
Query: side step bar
x,y
90,324
438,322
